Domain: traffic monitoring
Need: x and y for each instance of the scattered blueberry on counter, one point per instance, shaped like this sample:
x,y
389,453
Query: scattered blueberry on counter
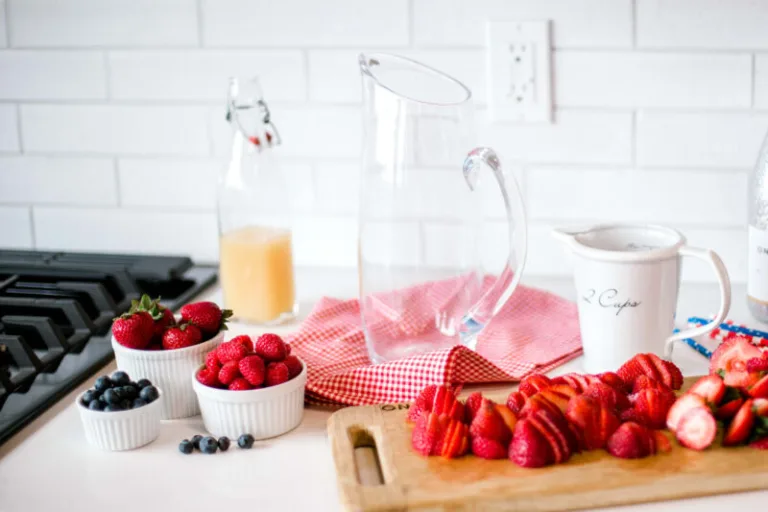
x,y
210,445
224,443
196,441
186,447
245,441
118,393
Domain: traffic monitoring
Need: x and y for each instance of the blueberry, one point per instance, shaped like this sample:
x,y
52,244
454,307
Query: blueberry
x,y
143,383
196,441
89,396
208,445
224,443
138,402
112,397
125,404
113,408
102,383
129,392
149,394
245,441
95,405
103,399
120,378
185,446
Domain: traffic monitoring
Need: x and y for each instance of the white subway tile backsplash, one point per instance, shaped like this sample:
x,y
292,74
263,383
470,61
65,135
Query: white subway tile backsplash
x,y
700,139
128,230
307,132
575,23
59,75
115,129
325,241
9,128
711,24
169,183
203,75
338,187
3,29
334,75
300,23
637,196
574,137
83,23
546,256
15,228
388,243
761,81
635,79
44,180
729,244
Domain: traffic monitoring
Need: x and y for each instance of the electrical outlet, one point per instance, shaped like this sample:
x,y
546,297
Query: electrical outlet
x,y
519,71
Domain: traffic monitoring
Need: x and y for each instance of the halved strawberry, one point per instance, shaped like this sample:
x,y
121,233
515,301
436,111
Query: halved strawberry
x,y
741,425
608,396
422,404
632,441
697,429
532,384
729,409
516,402
731,358
471,405
645,382
488,448
711,388
613,380
489,424
529,448
510,418
595,422
651,407
760,388
683,404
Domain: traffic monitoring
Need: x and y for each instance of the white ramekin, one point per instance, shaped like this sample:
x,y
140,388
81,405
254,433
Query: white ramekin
x,y
121,430
263,413
168,370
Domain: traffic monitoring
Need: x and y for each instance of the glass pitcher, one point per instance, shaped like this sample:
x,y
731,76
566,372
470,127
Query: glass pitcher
x,y
422,285
254,212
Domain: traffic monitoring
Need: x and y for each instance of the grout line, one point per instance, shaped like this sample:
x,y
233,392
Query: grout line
x,y
18,128
411,24
634,23
118,184
32,226
754,80
633,139
307,82
107,76
7,8
199,9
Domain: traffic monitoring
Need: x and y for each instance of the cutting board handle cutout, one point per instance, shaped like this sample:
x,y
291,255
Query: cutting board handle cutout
x,y
367,464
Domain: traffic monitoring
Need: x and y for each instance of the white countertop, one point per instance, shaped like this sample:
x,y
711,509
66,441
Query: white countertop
x,y
49,465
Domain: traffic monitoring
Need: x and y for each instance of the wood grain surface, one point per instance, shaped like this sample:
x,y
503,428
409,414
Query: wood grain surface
x,y
377,470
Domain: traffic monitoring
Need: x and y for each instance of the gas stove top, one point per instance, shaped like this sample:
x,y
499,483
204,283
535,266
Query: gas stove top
x,y
56,310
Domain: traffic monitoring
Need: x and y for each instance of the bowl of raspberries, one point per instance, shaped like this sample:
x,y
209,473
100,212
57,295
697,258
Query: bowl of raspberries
x,y
120,414
251,386
151,343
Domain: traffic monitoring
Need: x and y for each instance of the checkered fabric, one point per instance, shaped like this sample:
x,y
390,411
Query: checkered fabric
x,y
534,332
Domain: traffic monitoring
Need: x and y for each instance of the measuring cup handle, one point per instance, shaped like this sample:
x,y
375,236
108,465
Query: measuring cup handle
x,y
725,296
493,300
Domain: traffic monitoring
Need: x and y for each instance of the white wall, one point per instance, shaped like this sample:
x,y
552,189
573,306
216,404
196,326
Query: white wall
x,y
663,103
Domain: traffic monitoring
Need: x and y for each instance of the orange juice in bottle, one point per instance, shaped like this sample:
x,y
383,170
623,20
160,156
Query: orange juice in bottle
x,y
256,272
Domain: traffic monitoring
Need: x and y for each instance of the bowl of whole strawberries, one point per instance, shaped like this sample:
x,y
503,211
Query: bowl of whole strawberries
x,y
150,343
251,387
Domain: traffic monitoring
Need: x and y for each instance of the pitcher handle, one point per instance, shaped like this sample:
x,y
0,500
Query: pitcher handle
x,y
725,296
478,316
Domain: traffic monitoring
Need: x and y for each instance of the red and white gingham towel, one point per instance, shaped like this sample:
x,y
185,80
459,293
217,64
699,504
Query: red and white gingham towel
x,y
534,332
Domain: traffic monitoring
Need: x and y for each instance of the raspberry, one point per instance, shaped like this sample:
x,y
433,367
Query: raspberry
x,y
212,361
270,347
239,384
229,351
757,364
208,378
252,368
244,340
229,372
277,373
294,366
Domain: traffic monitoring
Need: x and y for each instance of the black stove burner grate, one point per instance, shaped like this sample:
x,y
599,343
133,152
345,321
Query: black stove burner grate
x,y
56,310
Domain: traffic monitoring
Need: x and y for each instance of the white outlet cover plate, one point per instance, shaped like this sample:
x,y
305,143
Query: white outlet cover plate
x,y
519,76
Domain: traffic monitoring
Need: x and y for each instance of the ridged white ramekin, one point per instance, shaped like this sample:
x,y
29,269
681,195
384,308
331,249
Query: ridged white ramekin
x,y
169,370
263,413
121,430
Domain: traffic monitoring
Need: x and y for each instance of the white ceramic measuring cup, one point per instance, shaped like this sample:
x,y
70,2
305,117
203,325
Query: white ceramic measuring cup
x,y
627,280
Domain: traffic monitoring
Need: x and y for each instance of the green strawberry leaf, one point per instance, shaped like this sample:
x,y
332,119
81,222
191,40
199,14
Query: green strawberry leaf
x,y
731,394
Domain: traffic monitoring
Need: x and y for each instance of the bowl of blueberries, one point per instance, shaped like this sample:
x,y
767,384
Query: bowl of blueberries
x,y
120,414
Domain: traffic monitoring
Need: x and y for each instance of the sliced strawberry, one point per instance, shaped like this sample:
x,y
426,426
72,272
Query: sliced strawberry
x,y
516,402
471,405
535,403
651,407
556,442
631,441
532,384
729,409
760,388
509,418
630,371
608,396
711,388
613,380
489,424
645,382
741,425
595,422
650,363
760,406
677,375
683,404
731,358
558,395
422,404
488,448
760,444
662,442
426,433
758,364
446,403
697,429
576,381
456,440
529,448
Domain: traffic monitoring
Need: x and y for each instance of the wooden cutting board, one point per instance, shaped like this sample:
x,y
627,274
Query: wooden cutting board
x,y
377,470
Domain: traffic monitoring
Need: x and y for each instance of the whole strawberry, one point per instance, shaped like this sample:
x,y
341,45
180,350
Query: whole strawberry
x,y
161,316
181,336
133,330
270,347
207,316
